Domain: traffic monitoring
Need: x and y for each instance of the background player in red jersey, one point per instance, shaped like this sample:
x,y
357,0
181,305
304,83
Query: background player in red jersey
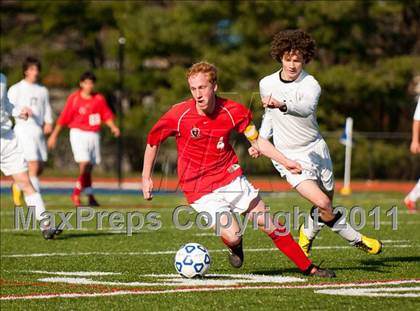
x,y
84,112
208,168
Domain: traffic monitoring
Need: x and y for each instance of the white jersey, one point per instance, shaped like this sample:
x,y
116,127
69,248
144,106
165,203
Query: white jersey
x,y
34,96
417,112
297,128
6,108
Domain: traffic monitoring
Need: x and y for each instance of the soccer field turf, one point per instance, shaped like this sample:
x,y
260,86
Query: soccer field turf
x,y
104,269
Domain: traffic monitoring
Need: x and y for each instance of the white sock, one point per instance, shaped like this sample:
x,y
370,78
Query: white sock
x,y
35,183
414,194
310,229
35,200
346,231
88,190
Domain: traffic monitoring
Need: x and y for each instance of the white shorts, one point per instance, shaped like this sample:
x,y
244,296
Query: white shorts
x,y
12,160
235,197
32,141
316,163
85,146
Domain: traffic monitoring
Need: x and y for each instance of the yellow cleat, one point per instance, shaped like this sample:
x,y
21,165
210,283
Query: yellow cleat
x,y
17,195
371,246
304,243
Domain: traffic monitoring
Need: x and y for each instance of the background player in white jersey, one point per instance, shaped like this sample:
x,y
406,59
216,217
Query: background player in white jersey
x,y
411,199
290,97
12,162
30,133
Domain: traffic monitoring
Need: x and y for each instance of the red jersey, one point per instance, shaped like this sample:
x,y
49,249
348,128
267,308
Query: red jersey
x,y
85,114
206,160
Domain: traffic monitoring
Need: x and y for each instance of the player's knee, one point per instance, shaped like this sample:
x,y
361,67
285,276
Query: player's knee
x,y
26,186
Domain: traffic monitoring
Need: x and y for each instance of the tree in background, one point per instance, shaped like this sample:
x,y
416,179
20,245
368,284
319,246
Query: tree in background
x,y
367,57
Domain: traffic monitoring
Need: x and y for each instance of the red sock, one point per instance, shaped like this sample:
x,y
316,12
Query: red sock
x,y
290,248
79,186
230,244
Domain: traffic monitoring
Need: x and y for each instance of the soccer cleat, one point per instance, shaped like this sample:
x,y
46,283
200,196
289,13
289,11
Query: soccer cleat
x,y
58,231
236,256
411,205
304,243
369,245
51,233
17,195
76,200
319,272
92,201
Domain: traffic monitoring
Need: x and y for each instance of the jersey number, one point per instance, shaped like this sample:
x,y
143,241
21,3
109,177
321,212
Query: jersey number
x,y
94,119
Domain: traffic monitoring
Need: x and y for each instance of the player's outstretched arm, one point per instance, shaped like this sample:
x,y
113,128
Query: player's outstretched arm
x,y
266,148
149,159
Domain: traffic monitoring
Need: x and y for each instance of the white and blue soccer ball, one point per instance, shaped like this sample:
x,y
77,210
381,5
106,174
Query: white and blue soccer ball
x,y
192,260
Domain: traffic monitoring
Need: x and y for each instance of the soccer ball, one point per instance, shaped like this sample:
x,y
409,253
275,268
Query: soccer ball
x,y
192,260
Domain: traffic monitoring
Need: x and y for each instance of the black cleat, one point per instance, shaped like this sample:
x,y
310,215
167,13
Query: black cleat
x,y
236,255
92,201
319,272
51,233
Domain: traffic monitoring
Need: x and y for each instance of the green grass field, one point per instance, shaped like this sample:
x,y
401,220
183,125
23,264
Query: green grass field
x,y
101,269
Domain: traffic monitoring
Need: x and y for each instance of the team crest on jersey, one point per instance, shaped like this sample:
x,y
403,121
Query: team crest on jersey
x,y
82,110
220,144
195,132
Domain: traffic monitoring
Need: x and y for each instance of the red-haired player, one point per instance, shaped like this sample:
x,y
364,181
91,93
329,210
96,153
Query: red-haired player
x,y
208,169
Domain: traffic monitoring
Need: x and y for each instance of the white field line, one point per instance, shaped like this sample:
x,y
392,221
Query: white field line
x,y
75,273
205,234
171,252
400,292
209,289
178,281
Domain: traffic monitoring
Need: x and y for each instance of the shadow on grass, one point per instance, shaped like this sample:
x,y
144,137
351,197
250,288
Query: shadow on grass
x,y
387,261
372,265
294,270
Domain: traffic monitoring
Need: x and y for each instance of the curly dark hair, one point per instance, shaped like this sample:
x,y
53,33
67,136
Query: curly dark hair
x,y
293,40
